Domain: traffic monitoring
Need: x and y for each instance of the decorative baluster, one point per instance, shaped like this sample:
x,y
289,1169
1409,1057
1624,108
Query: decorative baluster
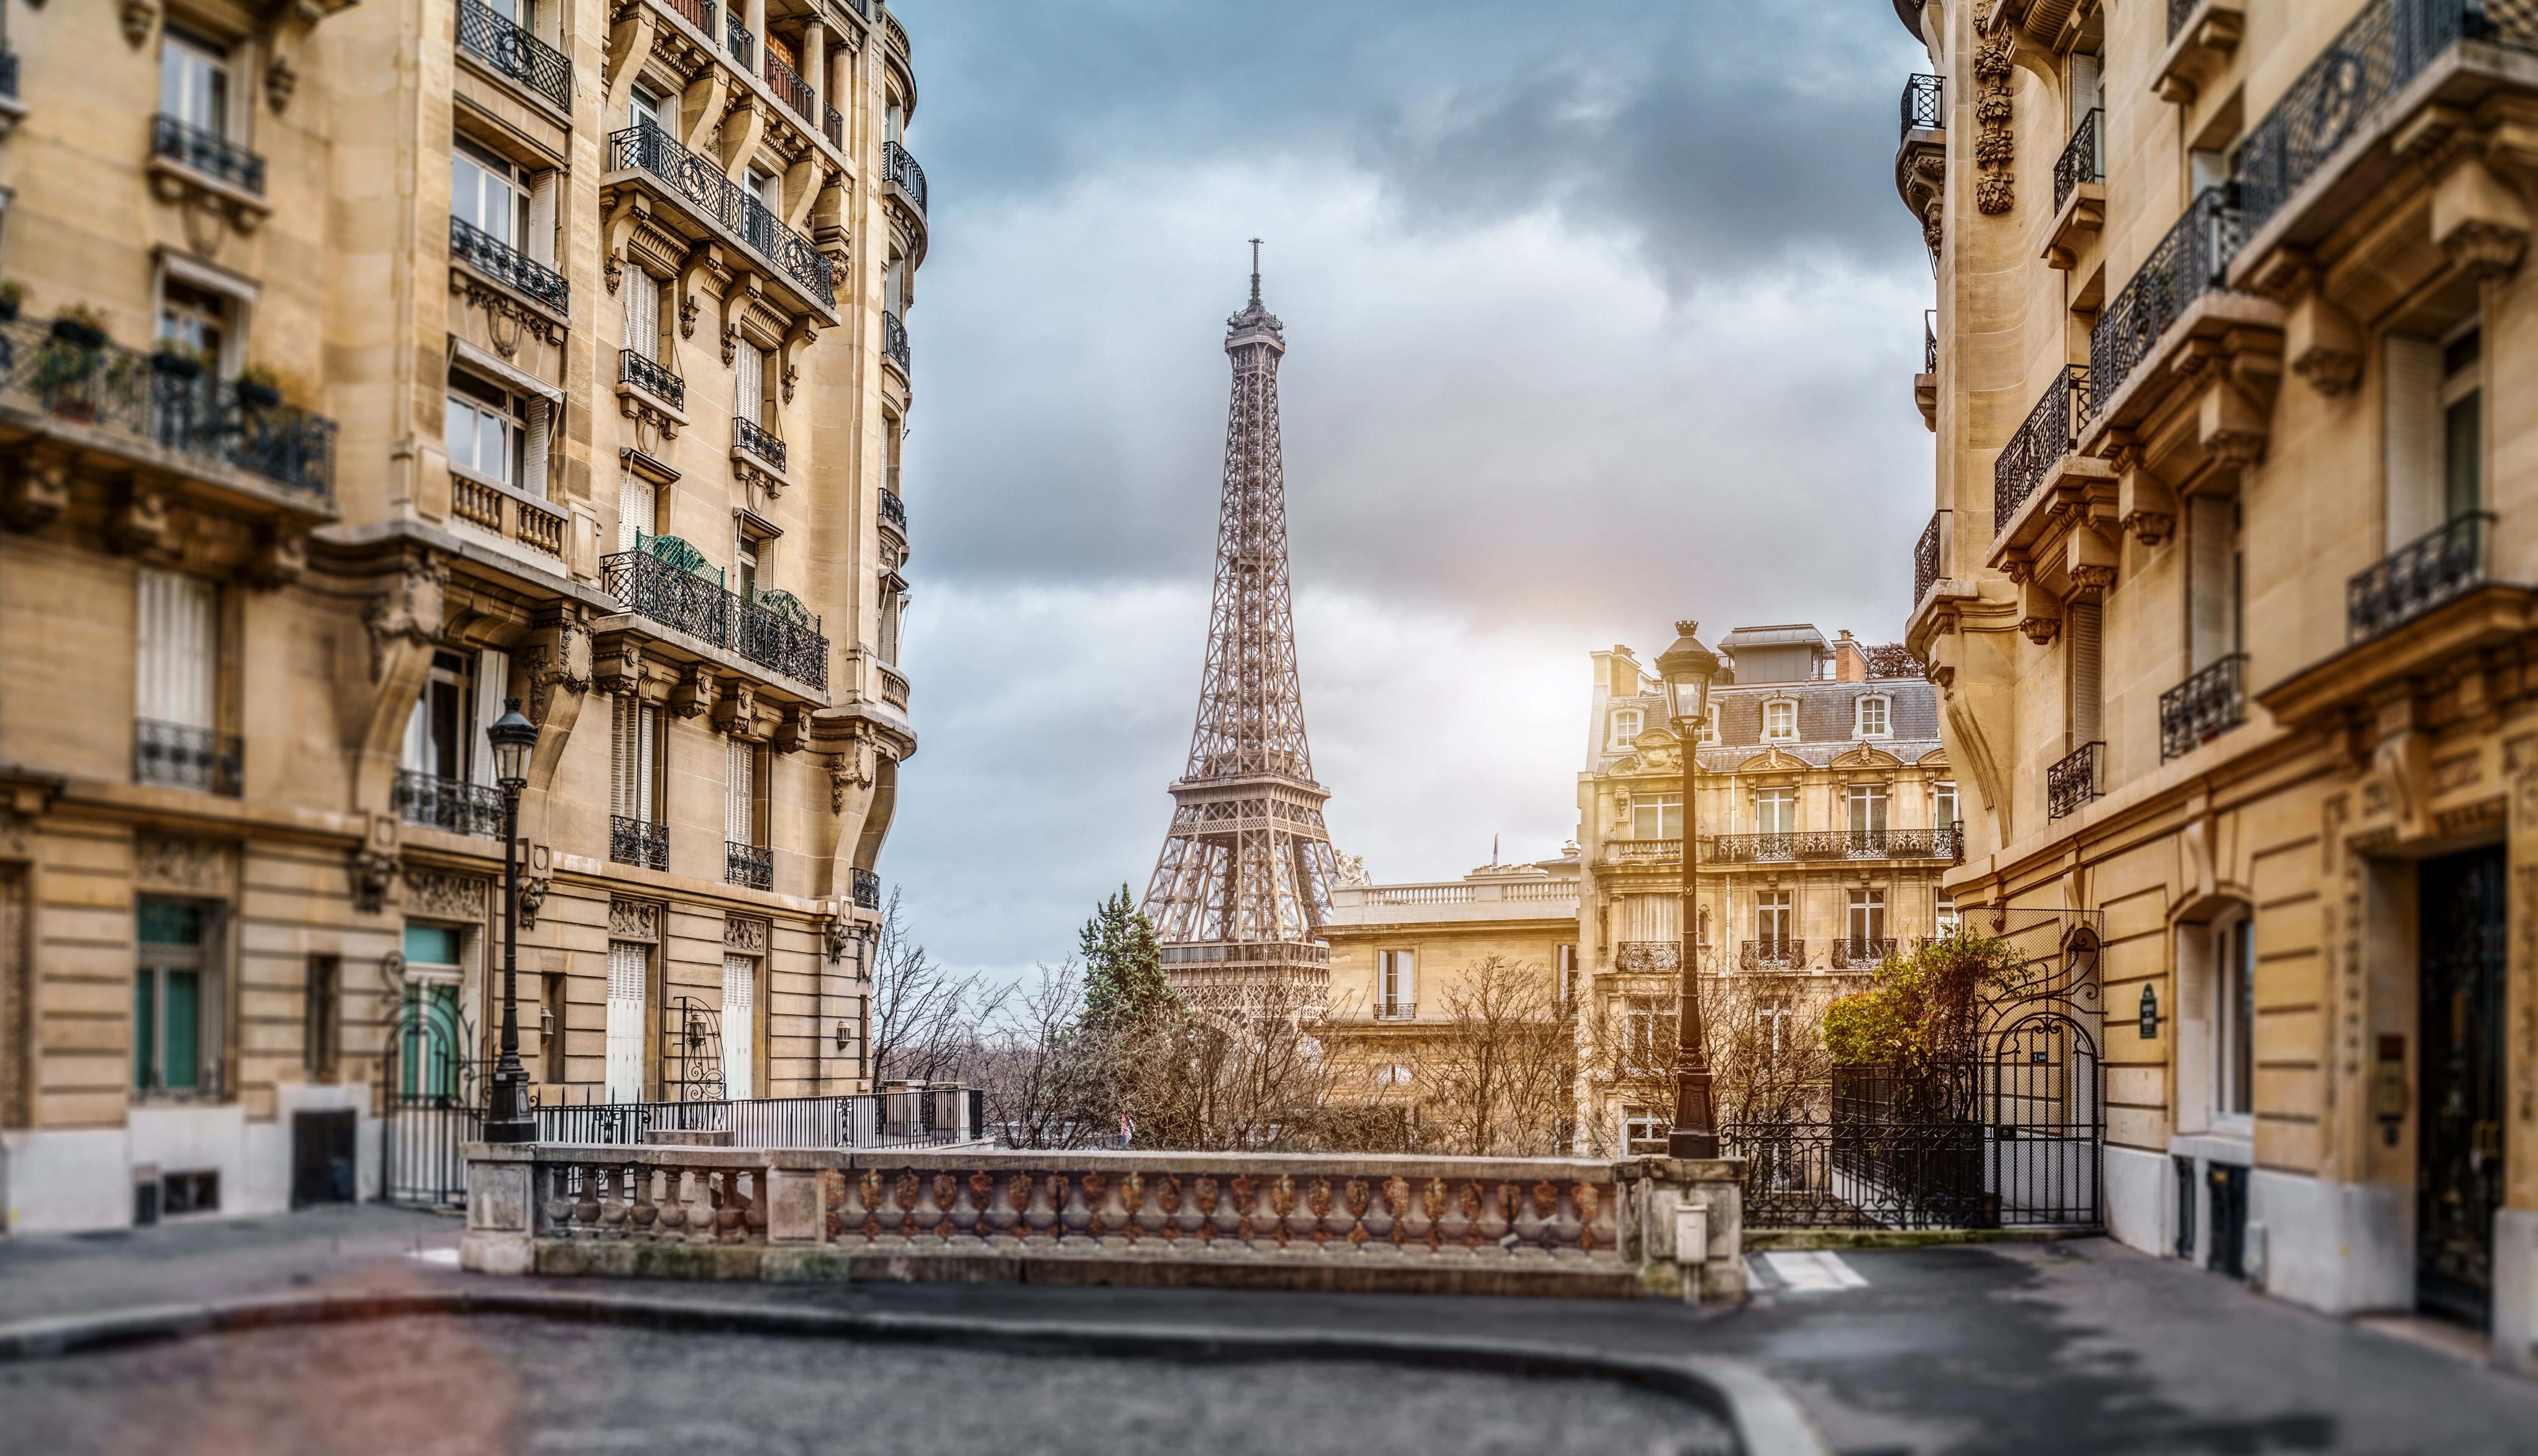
x,y
645,1213
1384,1220
728,1207
1246,1189
854,1208
833,1200
1535,1206
1459,1204
1595,1219
1128,1194
1202,1209
674,1205
617,1199
1167,1216
925,1214
1492,1225
753,1209
1269,1221
1012,1199
585,1209
1355,1198
891,1215
970,1198
1047,1192
1427,1218
1078,1216
1316,1219
556,1178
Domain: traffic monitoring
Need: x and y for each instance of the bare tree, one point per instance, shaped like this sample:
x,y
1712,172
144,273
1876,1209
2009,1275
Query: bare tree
x,y
925,1018
1049,1077
1493,1082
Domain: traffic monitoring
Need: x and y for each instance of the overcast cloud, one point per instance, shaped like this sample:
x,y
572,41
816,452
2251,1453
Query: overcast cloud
x,y
1597,315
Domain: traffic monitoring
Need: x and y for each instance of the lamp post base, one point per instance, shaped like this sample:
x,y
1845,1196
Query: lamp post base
x,y
1692,1145
510,1119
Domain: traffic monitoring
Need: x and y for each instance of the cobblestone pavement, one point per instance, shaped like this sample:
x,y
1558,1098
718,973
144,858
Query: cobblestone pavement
x,y
2079,1347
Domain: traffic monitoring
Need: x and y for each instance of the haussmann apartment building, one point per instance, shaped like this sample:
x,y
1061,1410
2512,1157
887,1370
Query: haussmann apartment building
x,y
2231,597
363,367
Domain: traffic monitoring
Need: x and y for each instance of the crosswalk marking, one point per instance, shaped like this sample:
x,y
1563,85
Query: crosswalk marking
x,y
1813,1272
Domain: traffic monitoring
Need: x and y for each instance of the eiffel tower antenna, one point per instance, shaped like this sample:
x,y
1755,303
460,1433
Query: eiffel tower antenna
x,y
1243,883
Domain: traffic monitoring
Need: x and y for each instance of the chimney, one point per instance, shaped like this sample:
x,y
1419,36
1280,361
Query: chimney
x,y
1849,664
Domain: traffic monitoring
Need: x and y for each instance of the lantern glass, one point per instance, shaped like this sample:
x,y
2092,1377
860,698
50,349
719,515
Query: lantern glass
x,y
1688,669
512,736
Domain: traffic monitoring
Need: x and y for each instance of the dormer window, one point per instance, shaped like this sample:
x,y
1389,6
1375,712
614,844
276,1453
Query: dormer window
x,y
1709,728
1873,718
1780,722
1626,725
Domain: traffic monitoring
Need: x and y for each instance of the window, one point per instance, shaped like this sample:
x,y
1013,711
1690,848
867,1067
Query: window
x,y
321,1018
1871,718
739,1026
194,81
1648,1032
2212,579
894,289
488,432
1396,984
1775,811
1655,919
1643,1130
1866,805
489,193
1946,918
2462,426
1625,726
2234,951
638,509
1943,803
629,972
894,605
437,734
749,383
744,565
196,321
176,652
551,1029
175,998
635,754
1657,816
1780,722
1867,916
1392,1074
1774,917
740,818
642,294
1709,728
1564,961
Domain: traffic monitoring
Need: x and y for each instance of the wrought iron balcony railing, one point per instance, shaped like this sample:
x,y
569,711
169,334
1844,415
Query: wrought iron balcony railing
x,y
1649,957
737,39
2417,577
775,633
633,842
894,511
508,265
1925,558
1772,955
182,758
450,804
894,339
8,72
70,370
750,866
1833,844
2078,778
2084,157
699,12
1396,1011
700,183
1860,953
514,52
2188,264
212,155
866,889
750,436
1924,104
900,167
789,87
2051,431
832,126
653,378
2203,707
1929,341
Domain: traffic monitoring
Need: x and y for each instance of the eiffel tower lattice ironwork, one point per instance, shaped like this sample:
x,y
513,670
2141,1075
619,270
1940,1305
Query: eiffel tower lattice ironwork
x,y
1243,883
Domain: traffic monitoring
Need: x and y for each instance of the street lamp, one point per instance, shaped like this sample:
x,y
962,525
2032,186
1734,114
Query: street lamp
x,y
1688,669
513,737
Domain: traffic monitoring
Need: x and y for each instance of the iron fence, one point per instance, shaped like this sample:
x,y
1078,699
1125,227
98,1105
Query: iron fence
x,y
653,378
1925,558
652,587
1772,955
2188,264
2415,577
450,804
2050,432
1861,953
894,339
1649,957
2075,779
699,12
832,126
789,87
750,866
703,185
900,168
759,441
179,757
209,153
508,265
894,511
634,841
2084,157
781,640
514,52
2202,708
1924,104
897,1118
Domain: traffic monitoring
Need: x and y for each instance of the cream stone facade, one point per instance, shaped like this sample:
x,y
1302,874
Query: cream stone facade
x,y
372,364
1827,817
2229,596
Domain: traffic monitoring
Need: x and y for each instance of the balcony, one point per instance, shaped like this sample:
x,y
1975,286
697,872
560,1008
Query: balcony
x,y
834,127
508,266
653,378
483,504
1396,1011
778,634
69,371
750,866
2203,707
700,186
894,688
1773,954
2202,35
2084,159
893,513
1925,558
514,52
737,39
1643,852
450,804
663,578
789,87
1838,844
633,842
2188,264
174,755
1925,384
1924,104
1649,957
749,435
1861,953
900,167
697,13
865,885
2075,779
893,341
2417,576
2050,432
2079,193
206,155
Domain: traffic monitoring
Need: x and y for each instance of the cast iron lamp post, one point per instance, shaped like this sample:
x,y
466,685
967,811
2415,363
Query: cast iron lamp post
x,y
512,736
1688,669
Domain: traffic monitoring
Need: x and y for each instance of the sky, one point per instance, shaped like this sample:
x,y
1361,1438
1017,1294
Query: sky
x,y
1597,315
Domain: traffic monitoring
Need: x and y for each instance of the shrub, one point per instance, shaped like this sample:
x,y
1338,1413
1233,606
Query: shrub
x,y
1922,1007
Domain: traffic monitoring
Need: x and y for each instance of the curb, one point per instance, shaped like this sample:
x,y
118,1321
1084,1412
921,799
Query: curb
x,y
1761,1241
1767,1419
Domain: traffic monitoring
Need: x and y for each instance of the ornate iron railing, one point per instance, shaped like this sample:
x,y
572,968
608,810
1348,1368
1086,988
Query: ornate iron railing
x,y
2051,431
702,184
1828,844
1861,953
832,126
1924,104
750,866
655,588
2186,265
8,72
183,757
914,1117
1775,955
508,265
750,436
631,841
202,150
653,378
1649,957
1929,341
699,12
902,168
737,39
70,370
777,640
2203,707
514,52
450,804
789,87
894,511
1925,558
2074,780
894,339
2417,577
1396,1011
2084,157
865,886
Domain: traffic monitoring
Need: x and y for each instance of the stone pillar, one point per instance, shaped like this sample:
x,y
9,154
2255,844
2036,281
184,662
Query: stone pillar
x,y
2516,1224
754,15
815,50
1655,1191
502,1211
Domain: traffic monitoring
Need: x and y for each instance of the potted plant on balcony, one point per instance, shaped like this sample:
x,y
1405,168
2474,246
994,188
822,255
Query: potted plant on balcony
x,y
66,367
174,358
259,387
81,327
12,294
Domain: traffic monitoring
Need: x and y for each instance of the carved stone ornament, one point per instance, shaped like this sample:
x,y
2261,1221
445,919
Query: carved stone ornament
x,y
849,769
556,655
2485,250
506,318
730,342
793,730
141,523
15,831
838,934
280,559
651,420
281,79
188,865
1995,147
743,935
634,920
736,714
2240,450
37,492
443,896
2332,372
693,693
2040,629
533,894
409,610
138,16
374,870
756,477
2150,527
617,663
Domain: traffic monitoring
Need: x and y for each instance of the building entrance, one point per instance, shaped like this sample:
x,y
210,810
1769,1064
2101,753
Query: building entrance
x,y
2458,1180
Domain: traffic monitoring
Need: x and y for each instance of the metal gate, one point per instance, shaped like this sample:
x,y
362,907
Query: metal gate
x,y
434,1100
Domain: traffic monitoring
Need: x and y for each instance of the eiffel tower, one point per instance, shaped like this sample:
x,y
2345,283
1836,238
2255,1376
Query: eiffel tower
x,y
1243,883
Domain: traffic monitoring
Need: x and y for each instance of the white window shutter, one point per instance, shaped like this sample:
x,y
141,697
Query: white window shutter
x,y
739,1025
493,680
541,240
739,813
2416,490
627,968
533,463
2084,88
637,503
749,383
2088,697
175,648
642,295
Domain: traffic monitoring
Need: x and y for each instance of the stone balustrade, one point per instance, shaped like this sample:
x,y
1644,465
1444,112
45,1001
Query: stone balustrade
x,y
1482,1224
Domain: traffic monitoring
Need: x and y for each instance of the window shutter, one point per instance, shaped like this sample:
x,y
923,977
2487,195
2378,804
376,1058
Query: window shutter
x,y
642,314
533,455
2210,547
627,968
749,383
2088,697
631,756
493,680
175,648
636,502
739,1025
541,241
2084,88
2413,383
620,754
740,799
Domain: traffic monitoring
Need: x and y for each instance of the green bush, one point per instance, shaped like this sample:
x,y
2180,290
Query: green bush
x,y
1922,1007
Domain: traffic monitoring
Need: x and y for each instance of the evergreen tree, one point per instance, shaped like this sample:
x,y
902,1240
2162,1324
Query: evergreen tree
x,y
1123,965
